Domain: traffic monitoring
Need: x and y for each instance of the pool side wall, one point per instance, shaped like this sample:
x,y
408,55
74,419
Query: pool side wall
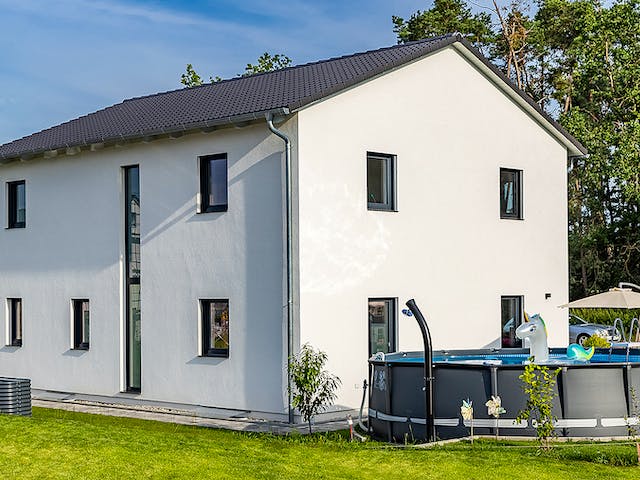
x,y
589,400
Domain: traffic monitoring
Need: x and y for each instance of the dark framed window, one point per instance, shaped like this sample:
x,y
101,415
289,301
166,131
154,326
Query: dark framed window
x,y
510,193
17,204
213,183
382,325
215,328
15,321
81,319
512,308
381,181
133,305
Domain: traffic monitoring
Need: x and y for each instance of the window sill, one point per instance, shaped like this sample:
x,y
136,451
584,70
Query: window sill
x,y
81,348
14,227
215,355
215,209
380,209
511,218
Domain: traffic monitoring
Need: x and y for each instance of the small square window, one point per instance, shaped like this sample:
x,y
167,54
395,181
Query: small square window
x,y
80,312
213,183
510,193
381,181
215,328
14,310
17,206
511,311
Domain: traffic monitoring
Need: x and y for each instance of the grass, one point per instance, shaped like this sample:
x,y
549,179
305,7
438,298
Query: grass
x,y
59,444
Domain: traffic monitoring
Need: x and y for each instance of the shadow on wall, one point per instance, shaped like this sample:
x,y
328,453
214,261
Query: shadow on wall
x,y
264,270
497,343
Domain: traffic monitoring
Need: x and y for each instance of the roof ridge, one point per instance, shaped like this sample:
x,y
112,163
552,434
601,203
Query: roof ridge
x,y
293,67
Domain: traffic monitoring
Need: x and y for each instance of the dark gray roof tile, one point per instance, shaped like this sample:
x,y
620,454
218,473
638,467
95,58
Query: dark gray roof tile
x,y
222,102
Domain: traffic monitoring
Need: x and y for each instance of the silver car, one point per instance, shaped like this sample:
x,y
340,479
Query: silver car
x,y
580,330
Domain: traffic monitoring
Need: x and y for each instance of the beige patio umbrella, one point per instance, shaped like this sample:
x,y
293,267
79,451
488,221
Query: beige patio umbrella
x,y
624,298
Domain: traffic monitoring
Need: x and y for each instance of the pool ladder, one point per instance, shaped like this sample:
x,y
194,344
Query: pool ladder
x,y
634,323
618,322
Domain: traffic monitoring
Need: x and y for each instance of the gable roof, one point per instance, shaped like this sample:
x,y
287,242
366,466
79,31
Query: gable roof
x,y
241,99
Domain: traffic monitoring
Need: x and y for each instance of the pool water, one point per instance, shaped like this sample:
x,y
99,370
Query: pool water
x,y
519,359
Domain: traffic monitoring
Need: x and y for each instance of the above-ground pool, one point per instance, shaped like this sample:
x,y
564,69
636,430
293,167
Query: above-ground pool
x,y
593,399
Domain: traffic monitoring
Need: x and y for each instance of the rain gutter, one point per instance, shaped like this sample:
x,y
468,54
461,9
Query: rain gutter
x,y
288,201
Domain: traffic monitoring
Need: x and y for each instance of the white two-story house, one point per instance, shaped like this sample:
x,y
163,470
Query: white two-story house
x,y
180,247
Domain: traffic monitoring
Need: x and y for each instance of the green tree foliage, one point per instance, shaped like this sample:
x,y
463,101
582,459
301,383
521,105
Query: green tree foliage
x,y
313,388
538,385
190,78
446,16
597,82
267,63
580,60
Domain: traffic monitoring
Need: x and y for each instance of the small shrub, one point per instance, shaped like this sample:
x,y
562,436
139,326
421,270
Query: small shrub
x,y
596,341
538,387
314,388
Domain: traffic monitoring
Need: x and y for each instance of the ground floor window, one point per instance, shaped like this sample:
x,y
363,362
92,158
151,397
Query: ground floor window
x,y
382,325
14,310
512,308
80,324
215,328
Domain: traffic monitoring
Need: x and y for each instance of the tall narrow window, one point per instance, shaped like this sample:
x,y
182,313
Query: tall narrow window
x,y
213,183
15,321
380,181
382,325
17,204
215,328
133,328
80,324
510,193
512,309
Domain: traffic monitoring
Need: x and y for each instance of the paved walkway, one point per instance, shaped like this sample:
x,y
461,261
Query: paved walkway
x,y
185,414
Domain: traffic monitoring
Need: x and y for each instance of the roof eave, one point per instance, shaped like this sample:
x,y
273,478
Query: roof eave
x,y
180,129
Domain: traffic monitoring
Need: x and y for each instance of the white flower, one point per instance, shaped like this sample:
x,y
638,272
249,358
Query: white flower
x,y
494,406
467,409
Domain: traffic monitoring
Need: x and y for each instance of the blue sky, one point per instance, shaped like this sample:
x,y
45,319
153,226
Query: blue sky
x,y
64,58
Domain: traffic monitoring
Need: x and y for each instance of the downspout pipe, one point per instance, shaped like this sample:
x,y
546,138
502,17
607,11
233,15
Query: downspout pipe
x,y
288,202
428,370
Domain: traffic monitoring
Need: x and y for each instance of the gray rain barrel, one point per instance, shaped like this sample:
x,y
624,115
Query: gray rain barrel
x,y
15,396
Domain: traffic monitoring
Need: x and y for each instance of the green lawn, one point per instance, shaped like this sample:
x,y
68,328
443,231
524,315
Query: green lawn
x,y
59,444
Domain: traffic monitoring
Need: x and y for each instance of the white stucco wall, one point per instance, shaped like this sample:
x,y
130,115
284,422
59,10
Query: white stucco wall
x,y
73,245
446,246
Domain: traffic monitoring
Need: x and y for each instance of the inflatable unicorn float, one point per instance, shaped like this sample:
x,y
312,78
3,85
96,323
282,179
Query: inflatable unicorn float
x,y
535,330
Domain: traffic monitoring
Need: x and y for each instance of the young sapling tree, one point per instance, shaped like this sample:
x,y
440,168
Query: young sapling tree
x,y
313,388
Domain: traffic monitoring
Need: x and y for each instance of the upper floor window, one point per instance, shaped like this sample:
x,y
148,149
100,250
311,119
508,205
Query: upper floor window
x,y
215,328
80,325
17,205
14,311
510,193
213,183
381,181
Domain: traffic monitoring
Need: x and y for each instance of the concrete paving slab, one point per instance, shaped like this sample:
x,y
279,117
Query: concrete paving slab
x,y
197,415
